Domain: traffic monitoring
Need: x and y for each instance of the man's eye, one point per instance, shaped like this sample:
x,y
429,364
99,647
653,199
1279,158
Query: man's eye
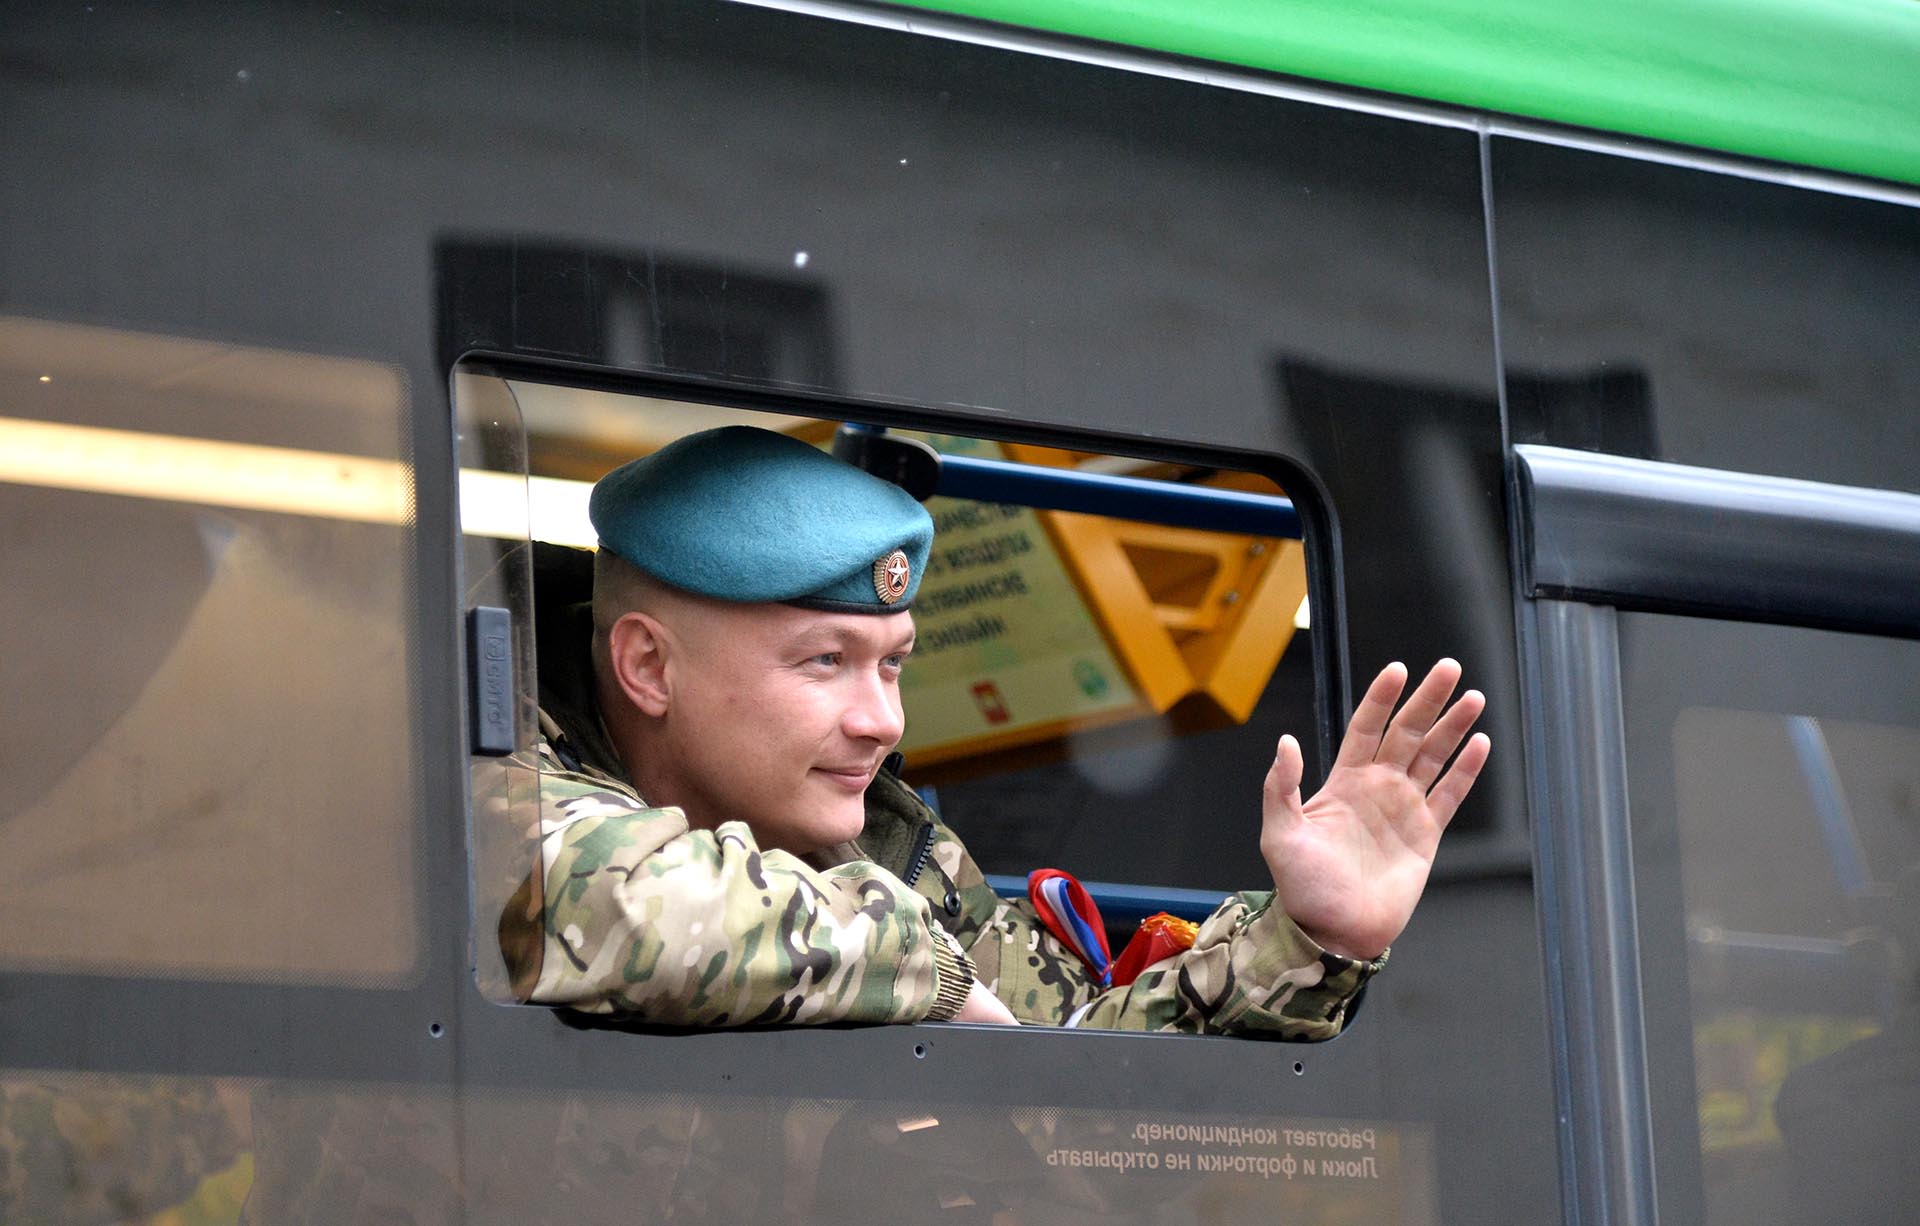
x,y
895,662
826,659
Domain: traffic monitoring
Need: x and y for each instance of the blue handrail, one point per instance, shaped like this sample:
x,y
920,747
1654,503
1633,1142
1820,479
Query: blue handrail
x,y
923,472
1830,806
1153,502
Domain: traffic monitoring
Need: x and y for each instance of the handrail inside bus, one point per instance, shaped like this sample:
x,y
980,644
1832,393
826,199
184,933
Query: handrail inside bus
x,y
923,472
1830,806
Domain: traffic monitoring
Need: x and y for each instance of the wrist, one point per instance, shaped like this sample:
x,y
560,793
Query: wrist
x,y
952,976
1344,948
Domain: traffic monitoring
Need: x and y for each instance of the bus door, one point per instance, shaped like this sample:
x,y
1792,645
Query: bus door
x,y
1725,731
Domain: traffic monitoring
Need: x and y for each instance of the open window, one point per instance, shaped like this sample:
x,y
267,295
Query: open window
x,y
1108,646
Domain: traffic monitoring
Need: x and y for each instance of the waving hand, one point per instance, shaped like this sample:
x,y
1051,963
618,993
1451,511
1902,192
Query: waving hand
x,y
1349,864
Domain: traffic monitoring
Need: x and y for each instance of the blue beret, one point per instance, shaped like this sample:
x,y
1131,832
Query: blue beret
x,y
748,515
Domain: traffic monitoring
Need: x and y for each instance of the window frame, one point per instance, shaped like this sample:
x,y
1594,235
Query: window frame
x,y
1331,702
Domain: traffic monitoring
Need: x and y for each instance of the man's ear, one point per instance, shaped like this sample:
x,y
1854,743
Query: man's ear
x,y
637,654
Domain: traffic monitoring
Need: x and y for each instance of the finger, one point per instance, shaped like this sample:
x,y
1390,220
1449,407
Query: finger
x,y
1409,727
1444,801
1439,744
1369,720
1280,794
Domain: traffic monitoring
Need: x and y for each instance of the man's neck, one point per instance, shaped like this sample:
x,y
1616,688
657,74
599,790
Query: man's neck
x,y
626,737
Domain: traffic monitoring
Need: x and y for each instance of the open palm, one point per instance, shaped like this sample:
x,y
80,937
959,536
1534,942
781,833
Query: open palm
x,y
1349,864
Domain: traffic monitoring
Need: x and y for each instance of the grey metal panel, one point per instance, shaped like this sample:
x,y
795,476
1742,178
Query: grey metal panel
x,y
1675,538
1584,889
297,202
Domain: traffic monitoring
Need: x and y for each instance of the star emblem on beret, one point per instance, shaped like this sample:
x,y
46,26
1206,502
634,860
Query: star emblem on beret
x,y
890,577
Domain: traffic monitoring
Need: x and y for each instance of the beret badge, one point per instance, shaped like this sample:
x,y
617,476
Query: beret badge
x,y
891,575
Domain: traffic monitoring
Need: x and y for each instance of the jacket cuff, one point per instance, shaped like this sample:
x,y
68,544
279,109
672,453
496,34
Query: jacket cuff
x,y
1289,985
1336,963
953,976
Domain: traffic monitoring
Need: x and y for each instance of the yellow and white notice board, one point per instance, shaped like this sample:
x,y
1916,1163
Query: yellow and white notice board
x,y
1034,624
1007,652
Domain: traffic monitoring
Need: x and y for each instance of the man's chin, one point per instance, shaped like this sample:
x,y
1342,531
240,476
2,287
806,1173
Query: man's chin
x,y
840,828
826,828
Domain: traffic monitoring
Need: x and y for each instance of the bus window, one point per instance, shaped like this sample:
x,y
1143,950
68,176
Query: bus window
x,y
241,519
1776,853
1094,692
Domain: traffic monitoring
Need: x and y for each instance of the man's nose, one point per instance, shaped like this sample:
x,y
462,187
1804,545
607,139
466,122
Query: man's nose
x,y
874,712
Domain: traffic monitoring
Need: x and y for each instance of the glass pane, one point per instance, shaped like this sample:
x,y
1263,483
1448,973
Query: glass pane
x,y
496,518
125,1148
207,562
169,1151
1775,792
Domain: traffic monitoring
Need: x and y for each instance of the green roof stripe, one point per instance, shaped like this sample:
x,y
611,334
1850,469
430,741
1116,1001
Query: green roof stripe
x,y
1826,83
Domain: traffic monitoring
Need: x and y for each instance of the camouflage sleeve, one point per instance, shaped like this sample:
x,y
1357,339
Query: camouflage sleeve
x,y
687,927
1251,972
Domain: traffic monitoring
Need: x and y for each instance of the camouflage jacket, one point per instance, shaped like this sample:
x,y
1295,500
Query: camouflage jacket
x,y
637,913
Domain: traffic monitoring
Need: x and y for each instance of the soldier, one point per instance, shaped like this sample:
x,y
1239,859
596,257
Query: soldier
x,y
726,841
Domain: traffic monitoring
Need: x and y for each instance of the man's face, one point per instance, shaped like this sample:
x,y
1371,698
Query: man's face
x,y
780,717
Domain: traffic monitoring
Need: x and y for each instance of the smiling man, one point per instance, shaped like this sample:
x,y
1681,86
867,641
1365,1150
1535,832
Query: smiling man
x,y
725,840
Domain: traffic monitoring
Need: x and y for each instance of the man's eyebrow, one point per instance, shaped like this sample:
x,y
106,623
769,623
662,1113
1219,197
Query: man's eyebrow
x,y
818,636
840,638
825,635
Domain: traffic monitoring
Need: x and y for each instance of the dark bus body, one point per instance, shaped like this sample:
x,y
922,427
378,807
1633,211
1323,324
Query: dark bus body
x,y
1490,361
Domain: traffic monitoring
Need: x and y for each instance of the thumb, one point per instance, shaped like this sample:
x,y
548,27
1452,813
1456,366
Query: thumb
x,y
1280,795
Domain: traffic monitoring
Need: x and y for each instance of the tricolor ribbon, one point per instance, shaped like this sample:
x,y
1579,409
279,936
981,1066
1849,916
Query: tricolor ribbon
x,y
1069,913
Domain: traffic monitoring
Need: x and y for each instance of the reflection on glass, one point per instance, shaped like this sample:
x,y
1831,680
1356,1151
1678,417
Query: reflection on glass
x,y
322,1154
209,755
124,1149
1789,858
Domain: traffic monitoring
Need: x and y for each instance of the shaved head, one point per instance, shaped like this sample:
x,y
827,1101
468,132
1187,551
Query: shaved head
x,y
620,588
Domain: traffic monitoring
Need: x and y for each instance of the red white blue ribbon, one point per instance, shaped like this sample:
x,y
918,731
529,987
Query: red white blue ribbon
x,y
1069,913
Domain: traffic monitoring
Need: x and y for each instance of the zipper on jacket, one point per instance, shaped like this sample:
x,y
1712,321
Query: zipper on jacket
x,y
922,848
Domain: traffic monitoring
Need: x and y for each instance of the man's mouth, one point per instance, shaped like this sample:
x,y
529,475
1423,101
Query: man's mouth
x,y
854,777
